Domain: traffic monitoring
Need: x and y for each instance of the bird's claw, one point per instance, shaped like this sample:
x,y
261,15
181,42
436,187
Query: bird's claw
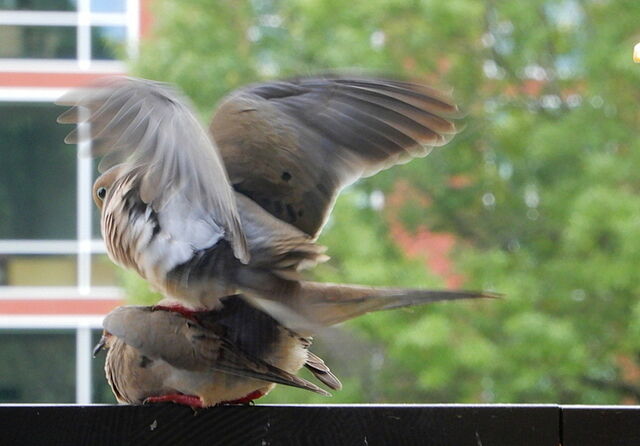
x,y
248,399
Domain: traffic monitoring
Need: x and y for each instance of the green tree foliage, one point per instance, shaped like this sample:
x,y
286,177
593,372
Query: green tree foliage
x,y
540,189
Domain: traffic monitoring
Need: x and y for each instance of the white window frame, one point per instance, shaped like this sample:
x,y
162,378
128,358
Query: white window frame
x,y
84,246
82,19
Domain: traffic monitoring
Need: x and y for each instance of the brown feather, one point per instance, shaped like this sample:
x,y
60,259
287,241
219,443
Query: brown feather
x,y
188,346
316,365
292,146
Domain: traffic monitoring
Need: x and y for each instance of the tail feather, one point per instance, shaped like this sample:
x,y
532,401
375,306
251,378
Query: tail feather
x,y
316,365
306,306
328,304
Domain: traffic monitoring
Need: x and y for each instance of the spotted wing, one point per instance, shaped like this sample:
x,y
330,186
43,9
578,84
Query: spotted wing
x,y
292,146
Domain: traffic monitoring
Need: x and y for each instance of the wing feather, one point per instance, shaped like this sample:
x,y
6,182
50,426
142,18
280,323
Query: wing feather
x,y
295,144
151,128
189,346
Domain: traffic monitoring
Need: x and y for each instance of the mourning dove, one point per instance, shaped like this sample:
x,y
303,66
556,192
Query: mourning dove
x,y
201,220
233,354
230,355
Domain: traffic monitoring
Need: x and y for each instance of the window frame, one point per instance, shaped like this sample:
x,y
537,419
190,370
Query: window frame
x,y
83,20
84,246
82,326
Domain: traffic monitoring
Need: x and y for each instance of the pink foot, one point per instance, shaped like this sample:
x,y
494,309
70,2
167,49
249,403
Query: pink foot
x,y
186,400
246,399
177,308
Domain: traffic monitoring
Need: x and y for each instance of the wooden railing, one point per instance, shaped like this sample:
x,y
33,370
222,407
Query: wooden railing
x,y
335,425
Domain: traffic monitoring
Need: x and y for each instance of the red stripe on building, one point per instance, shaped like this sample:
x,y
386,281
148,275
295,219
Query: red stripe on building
x,y
146,19
57,306
42,80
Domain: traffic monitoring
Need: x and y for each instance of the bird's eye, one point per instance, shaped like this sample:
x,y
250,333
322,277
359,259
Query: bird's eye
x,y
102,192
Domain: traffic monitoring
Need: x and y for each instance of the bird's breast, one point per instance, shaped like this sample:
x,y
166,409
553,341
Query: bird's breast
x,y
215,387
155,244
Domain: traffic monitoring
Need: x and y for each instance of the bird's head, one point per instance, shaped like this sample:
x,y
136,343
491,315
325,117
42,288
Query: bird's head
x,y
104,344
103,184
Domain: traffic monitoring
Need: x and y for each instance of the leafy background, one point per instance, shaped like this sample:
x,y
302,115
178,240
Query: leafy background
x,y
536,198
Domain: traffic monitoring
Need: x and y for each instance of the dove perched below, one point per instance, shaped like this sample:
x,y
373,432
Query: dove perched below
x,y
202,217
233,354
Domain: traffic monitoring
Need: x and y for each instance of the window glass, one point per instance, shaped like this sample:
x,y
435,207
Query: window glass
x,y
39,5
108,5
38,171
38,42
23,379
103,271
107,42
38,270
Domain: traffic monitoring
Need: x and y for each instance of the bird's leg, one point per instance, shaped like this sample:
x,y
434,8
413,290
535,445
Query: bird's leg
x,y
246,399
186,400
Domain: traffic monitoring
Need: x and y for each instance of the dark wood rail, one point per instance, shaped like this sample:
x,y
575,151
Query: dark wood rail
x,y
335,425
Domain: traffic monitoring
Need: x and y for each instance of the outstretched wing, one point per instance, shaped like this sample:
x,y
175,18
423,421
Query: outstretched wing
x,y
292,146
189,346
151,128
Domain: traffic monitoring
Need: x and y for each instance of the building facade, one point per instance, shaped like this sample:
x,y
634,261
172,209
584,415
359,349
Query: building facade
x,y
56,283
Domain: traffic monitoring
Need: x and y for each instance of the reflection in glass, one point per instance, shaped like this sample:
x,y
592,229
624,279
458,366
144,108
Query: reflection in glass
x,y
39,5
37,172
107,41
38,42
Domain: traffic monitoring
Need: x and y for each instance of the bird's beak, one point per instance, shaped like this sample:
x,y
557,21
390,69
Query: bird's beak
x,y
636,53
100,345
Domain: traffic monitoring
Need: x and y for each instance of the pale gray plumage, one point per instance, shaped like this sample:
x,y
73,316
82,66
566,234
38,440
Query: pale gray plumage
x,y
169,212
236,350
289,147
217,356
